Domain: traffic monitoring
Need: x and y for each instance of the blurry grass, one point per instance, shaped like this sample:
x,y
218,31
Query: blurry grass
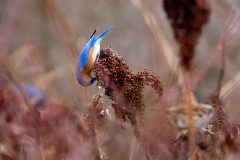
x,y
160,38
215,54
65,36
230,86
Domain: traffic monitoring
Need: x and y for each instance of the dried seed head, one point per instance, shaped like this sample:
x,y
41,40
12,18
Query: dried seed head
x,y
187,18
124,88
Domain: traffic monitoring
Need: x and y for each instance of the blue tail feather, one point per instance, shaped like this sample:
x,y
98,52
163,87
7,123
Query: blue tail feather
x,y
99,37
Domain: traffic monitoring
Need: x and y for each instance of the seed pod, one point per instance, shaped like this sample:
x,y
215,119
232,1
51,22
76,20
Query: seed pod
x,y
187,18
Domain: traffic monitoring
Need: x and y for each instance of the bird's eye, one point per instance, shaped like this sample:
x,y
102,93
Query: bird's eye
x,y
93,74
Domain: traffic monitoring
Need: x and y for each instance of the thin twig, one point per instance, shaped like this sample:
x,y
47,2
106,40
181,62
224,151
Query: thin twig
x,y
189,113
230,86
213,56
221,74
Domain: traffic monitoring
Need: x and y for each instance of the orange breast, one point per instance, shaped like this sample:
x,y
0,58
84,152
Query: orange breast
x,y
90,61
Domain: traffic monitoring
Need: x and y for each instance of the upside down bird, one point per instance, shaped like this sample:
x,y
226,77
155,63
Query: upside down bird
x,y
88,57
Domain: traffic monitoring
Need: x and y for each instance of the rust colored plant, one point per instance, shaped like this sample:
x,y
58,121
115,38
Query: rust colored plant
x,y
187,19
123,87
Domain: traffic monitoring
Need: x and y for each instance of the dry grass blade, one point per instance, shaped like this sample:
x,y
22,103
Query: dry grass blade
x,y
215,54
189,113
62,27
65,34
230,86
159,36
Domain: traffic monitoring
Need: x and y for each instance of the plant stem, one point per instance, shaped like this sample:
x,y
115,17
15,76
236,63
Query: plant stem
x,y
189,114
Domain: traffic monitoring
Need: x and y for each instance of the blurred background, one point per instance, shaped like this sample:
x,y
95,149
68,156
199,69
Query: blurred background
x,y
41,41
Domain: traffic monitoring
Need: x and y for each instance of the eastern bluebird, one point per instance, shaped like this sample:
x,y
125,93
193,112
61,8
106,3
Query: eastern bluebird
x,y
88,57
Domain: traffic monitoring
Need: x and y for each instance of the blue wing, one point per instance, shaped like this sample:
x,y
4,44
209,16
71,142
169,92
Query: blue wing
x,y
90,43
82,61
99,37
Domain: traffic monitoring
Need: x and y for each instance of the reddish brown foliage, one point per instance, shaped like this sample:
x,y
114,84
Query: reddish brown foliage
x,y
187,19
123,87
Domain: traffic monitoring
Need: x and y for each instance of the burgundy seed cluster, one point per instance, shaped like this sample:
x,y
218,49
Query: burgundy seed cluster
x,y
187,18
123,87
